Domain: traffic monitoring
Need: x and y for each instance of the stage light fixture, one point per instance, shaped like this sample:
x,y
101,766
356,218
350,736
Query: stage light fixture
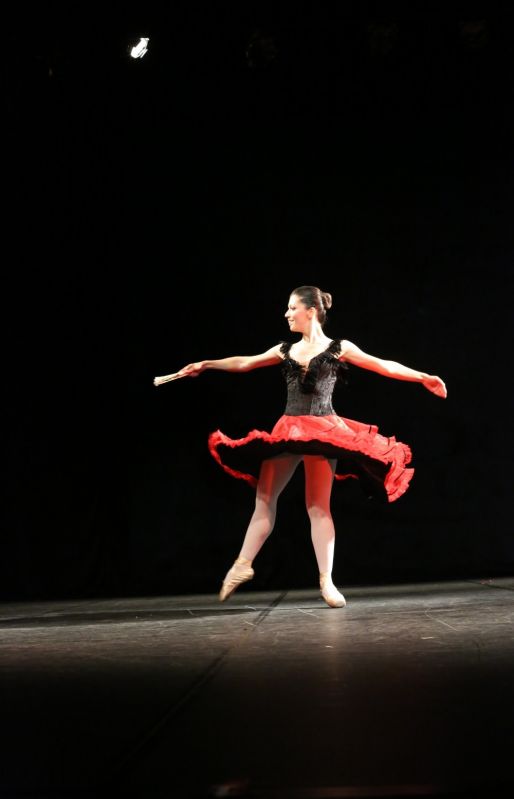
x,y
383,37
139,50
261,50
474,33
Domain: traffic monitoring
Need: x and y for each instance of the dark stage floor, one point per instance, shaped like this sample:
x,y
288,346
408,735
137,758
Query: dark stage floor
x,y
408,691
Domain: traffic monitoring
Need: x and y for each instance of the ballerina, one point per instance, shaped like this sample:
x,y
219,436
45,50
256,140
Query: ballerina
x,y
329,445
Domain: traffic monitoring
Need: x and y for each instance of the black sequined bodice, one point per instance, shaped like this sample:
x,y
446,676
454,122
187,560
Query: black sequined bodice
x,y
310,389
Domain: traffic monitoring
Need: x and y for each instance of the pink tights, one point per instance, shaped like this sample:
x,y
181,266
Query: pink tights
x,y
274,476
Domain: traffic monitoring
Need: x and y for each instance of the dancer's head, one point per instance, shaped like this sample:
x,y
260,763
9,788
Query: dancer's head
x,y
305,304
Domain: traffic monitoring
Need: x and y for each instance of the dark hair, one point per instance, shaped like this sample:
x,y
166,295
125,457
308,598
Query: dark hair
x,y
313,297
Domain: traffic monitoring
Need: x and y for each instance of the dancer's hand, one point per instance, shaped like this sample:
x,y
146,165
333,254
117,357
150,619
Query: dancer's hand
x,y
435,385
191,370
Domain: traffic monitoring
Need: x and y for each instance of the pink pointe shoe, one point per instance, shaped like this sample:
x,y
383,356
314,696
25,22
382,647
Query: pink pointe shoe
x,y
329,592
240,572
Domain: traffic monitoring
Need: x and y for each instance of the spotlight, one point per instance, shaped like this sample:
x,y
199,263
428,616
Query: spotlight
x,y
139,50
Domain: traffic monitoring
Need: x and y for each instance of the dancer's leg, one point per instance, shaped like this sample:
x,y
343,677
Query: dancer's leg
x,y
319,477
274,475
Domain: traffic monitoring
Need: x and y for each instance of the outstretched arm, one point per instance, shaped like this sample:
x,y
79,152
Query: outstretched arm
x,y
353,354
236,363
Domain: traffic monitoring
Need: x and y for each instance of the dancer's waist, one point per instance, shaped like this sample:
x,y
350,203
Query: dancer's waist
x,y
308,406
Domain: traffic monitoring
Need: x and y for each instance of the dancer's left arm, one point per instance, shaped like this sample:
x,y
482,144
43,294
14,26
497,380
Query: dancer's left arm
x,y
353,354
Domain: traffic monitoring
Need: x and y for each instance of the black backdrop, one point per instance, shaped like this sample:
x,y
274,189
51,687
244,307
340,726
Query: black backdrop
x,y
161,210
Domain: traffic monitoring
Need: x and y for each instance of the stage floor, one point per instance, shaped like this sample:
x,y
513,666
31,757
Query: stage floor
x,y
408,691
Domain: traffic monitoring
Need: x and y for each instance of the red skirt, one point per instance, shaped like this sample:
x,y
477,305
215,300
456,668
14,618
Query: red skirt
x,y
362,453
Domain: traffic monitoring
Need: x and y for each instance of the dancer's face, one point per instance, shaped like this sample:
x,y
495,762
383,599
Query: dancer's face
x,y
298,315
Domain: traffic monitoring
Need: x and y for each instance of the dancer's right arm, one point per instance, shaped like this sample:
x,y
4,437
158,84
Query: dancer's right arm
x,y
236,363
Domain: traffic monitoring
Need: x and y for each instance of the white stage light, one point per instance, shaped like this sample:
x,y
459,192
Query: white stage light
x,y
140,48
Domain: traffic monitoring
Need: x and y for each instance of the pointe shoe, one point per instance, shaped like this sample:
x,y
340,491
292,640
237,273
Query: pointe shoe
x,y
329,592
240,572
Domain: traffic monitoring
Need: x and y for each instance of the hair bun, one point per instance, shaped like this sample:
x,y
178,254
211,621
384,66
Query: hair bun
x,y
326,299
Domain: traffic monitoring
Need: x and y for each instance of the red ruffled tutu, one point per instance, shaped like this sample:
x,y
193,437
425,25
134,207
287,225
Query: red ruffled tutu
x,y
377,461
